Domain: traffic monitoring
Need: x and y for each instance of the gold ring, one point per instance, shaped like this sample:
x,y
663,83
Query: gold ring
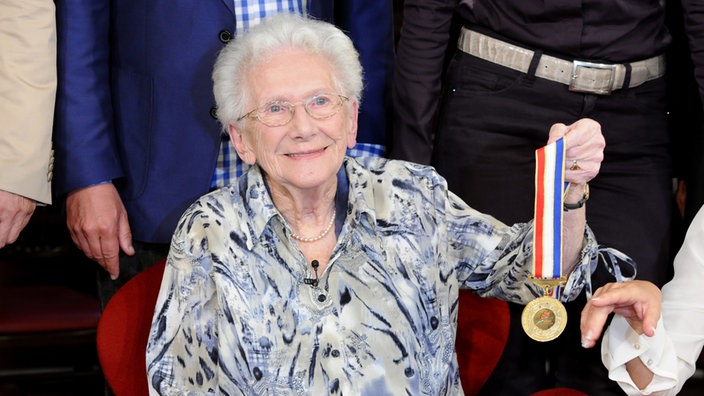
x,y
575,165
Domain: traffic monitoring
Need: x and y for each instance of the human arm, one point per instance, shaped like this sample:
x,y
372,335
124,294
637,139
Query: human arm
x,y
417,77
638,303
98,224
183,337
27,92
15,212
86,152
694,27
672,352
584,143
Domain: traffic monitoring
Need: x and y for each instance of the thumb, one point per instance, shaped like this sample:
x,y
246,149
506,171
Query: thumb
x,y
125,236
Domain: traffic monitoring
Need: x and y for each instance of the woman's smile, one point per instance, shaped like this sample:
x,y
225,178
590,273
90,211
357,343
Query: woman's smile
x,y
307,154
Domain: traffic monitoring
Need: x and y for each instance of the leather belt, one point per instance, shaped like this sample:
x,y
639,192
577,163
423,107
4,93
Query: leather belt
x,y
579,76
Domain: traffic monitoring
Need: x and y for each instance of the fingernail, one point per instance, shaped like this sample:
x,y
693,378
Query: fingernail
x,y
587,340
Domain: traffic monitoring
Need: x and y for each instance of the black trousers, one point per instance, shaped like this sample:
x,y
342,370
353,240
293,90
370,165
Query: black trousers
x,y
491,121
146,255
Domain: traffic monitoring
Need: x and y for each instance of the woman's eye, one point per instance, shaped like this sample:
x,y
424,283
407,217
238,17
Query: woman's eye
x,y
275,108
320,101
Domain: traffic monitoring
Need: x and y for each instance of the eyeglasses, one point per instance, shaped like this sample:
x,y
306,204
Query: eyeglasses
x,y
280,112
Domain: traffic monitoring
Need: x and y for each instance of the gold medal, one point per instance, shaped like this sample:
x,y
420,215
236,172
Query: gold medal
x,y
544,319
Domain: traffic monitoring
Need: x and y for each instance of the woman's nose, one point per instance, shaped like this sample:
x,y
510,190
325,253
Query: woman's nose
x,y
302,124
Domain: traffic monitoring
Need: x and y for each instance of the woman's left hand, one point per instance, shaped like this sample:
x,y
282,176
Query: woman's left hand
x,y
584,149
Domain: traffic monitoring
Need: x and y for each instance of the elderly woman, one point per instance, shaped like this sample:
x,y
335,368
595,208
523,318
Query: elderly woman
x,y
317,273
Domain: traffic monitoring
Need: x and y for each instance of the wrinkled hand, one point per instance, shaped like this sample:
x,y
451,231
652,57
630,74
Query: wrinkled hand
x,y
639,302
585,144
97,221
15,212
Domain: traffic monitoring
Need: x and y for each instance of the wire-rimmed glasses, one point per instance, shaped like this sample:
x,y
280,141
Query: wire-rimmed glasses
x,y
280,112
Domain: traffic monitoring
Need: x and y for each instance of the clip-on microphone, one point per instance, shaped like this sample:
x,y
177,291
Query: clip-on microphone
x,y
311,281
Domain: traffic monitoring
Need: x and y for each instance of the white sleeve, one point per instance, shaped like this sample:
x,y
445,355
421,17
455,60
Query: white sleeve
x,y
671,354
621,344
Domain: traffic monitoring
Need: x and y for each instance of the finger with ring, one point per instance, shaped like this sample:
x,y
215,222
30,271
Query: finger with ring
x,y
575,165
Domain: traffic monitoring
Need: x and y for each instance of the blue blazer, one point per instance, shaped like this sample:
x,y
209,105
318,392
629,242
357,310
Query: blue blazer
x,y
135,99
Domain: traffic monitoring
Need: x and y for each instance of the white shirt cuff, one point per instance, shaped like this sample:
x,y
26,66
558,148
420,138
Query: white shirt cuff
x,y
621,344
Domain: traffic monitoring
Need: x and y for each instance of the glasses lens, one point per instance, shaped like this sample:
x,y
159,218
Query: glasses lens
x,y
275,113
323,106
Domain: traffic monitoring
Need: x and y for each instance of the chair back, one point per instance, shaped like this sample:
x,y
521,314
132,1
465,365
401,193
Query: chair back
x,y
123,332
47,333
482,331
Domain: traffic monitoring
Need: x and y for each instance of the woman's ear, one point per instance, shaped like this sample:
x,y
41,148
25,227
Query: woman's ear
x,y
244,151
353,117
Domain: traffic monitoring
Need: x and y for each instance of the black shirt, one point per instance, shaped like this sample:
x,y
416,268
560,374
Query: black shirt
x,y
613,31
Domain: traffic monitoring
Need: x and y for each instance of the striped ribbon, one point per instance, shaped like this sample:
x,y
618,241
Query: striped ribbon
x,y
549,189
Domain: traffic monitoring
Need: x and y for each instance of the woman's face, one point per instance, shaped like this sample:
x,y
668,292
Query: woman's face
x,y
305,153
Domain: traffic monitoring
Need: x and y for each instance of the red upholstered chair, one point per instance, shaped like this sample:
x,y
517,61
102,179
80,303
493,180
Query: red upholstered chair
x,y
123,331
39,324
482,331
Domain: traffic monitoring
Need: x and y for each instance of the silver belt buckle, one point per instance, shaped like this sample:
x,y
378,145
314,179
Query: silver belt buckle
x,y
601,90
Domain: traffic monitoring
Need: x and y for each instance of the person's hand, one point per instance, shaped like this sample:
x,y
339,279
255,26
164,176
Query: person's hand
x,y
15,212
639,302
584,149
97,221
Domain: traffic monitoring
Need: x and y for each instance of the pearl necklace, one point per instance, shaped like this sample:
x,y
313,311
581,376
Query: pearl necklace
x,y
319,236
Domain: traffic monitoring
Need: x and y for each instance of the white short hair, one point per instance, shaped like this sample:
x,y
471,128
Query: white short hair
x,y
249,49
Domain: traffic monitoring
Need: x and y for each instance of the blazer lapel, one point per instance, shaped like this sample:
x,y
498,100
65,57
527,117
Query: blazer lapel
x,y
230,6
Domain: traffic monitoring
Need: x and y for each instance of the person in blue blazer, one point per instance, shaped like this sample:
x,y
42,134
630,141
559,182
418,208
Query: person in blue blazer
x,y
136,139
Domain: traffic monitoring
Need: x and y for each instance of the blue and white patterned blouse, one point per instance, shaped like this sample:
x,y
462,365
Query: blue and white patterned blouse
x,y
234,316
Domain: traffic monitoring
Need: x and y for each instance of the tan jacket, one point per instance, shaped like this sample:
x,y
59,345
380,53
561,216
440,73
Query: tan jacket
x,y
27,93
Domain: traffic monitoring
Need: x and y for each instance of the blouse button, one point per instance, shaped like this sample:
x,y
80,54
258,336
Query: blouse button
x,y
321,297
335,353
636,346
650,362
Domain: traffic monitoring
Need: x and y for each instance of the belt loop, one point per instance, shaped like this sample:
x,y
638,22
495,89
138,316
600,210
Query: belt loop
x,y
627,76
537,54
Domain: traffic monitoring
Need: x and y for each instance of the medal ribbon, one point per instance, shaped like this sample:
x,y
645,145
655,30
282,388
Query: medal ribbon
x,y
549,188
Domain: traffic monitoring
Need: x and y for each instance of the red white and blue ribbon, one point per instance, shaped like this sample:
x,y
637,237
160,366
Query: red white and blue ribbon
x,y
549,189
